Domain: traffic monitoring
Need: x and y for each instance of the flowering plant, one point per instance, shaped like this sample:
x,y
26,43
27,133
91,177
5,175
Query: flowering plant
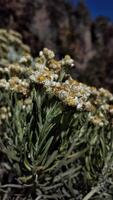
x,y
56,133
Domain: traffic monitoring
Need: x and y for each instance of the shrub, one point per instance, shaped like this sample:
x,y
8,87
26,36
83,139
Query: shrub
x,y
56,133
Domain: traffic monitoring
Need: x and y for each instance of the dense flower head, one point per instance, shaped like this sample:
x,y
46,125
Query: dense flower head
x,y
18,85
51,74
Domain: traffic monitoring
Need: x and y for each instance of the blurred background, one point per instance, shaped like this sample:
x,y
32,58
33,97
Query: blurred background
x,y
81,28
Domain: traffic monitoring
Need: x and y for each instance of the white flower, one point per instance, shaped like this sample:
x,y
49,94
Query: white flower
x,y
62,94
6,70
40,66
48,83
23,59
4,84
55,76
41,53
79,106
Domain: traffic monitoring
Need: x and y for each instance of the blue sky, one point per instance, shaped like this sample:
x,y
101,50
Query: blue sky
x,y
99,7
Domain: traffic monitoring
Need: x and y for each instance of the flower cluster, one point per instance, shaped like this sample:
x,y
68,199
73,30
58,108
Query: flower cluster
x,y
18,85
72,92
11,46
5,113
50,73
4,84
